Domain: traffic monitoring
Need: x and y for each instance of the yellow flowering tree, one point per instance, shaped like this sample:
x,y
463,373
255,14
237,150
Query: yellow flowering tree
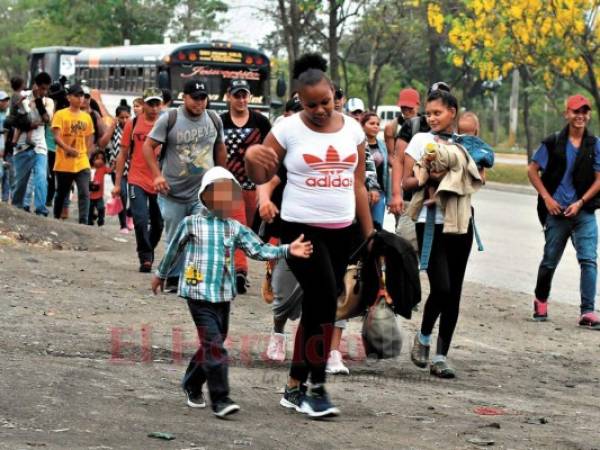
x,y
546,38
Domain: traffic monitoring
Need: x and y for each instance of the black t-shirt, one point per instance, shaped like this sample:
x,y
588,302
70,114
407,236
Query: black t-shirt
x,y
238,139
406,131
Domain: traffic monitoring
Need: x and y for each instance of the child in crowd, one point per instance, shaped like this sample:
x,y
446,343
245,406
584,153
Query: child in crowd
x,y
99,171
468,123
18,115
208,282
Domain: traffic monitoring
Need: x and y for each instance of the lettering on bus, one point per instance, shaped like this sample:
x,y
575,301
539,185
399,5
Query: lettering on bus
x,y
220,56
229,74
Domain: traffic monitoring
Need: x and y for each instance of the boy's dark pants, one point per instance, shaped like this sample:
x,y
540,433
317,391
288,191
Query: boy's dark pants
x,y
209,364
97,210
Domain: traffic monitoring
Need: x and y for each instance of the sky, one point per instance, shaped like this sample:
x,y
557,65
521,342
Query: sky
x,y
243,26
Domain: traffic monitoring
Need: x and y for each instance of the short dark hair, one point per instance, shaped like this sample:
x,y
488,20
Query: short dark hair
x,y
17,83
96,154
123,107
365,118
447,99
42,78
310,69
167,96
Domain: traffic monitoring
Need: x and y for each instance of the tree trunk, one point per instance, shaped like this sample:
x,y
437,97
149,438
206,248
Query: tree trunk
x,y
528,139
333,41
514,109
495,117
290,23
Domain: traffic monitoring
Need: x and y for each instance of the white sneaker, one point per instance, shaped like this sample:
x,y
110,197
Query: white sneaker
x,y
335,365
276,347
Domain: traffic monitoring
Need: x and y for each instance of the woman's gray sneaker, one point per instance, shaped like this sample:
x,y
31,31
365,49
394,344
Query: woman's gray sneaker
x,y
419,353
441,369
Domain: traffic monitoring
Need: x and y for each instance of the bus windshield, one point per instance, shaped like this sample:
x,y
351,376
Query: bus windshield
x,y
217,80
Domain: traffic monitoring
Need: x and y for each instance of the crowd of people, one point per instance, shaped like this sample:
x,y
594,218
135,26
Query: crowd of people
x,y
314,186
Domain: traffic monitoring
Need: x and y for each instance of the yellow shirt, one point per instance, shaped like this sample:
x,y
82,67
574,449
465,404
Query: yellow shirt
x,y
74,130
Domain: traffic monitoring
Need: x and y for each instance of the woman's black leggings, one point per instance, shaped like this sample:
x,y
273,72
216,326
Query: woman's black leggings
x,y
320,277
446,273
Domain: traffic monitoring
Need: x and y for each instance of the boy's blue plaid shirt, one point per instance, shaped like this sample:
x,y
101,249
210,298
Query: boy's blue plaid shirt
x,y
209,243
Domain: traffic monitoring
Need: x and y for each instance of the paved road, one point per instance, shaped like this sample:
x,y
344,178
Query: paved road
x,y
513,241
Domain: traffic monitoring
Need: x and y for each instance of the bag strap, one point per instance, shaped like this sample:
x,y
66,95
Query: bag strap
x,y
415,124
131,143
381,272
170,124
362,246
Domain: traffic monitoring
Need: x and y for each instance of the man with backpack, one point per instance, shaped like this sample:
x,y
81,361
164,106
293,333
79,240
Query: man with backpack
x,y
569,163
142,193
191,140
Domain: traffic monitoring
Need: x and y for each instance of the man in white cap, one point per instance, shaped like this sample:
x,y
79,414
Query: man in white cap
x,y
356,108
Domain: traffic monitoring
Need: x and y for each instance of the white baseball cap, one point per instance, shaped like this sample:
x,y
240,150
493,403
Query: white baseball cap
x,y
4,96
355,104
213,175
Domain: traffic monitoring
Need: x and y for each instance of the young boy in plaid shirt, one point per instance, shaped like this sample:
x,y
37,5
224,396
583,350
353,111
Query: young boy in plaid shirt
x,y
207,242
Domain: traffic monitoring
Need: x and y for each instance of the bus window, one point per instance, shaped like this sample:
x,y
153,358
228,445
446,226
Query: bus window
x,y
121,86
111,79
139,85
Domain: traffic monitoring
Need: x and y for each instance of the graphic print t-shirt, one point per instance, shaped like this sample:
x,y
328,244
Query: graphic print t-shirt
x,y
237,141
189,152
320,171
74,130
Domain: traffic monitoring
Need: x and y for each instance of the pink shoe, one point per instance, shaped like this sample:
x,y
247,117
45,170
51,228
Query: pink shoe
x,y
540,310
124,231
590,320
129,222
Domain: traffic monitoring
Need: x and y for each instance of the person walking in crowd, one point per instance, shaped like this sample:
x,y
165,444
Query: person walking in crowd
x,y
111,141
148,222
409,102
192,139
138,106
321,206
569,163
449,251
4,163
206,242
356,108
30,158
242,128
379,156
74,133
339,99
99,171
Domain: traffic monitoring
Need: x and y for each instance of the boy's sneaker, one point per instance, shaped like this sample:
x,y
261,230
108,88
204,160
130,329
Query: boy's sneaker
x,y
241,282
276,347
293,397
224,408
590,320
146,267
419,354
124,230
195,400
335,364
317,405
171,285
540,310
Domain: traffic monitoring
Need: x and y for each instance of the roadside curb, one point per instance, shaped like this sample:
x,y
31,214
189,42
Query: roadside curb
x,y
515,188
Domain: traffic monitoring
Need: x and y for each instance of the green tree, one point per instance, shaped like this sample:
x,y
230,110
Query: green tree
x,y
196,17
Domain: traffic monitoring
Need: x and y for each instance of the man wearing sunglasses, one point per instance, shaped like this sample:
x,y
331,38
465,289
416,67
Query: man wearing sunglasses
x,y
565,171
242,128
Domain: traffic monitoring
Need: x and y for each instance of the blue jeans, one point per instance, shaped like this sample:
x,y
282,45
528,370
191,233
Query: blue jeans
x,y
378,209
209,364
147,221
26,163
173,213
7,178
583,231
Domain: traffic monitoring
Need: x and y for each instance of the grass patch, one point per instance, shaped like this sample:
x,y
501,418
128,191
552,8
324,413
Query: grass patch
x,y
508,173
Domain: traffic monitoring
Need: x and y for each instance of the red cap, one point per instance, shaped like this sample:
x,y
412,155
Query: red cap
x,y
408,97
574,102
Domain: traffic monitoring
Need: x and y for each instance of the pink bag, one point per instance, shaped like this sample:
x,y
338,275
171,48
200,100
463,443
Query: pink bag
x,y
114,206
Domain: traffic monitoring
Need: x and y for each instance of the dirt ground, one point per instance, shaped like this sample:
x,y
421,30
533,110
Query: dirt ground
x,y
92,360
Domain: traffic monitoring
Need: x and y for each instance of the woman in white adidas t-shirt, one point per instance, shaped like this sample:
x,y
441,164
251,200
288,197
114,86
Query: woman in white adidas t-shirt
x,y
323,152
